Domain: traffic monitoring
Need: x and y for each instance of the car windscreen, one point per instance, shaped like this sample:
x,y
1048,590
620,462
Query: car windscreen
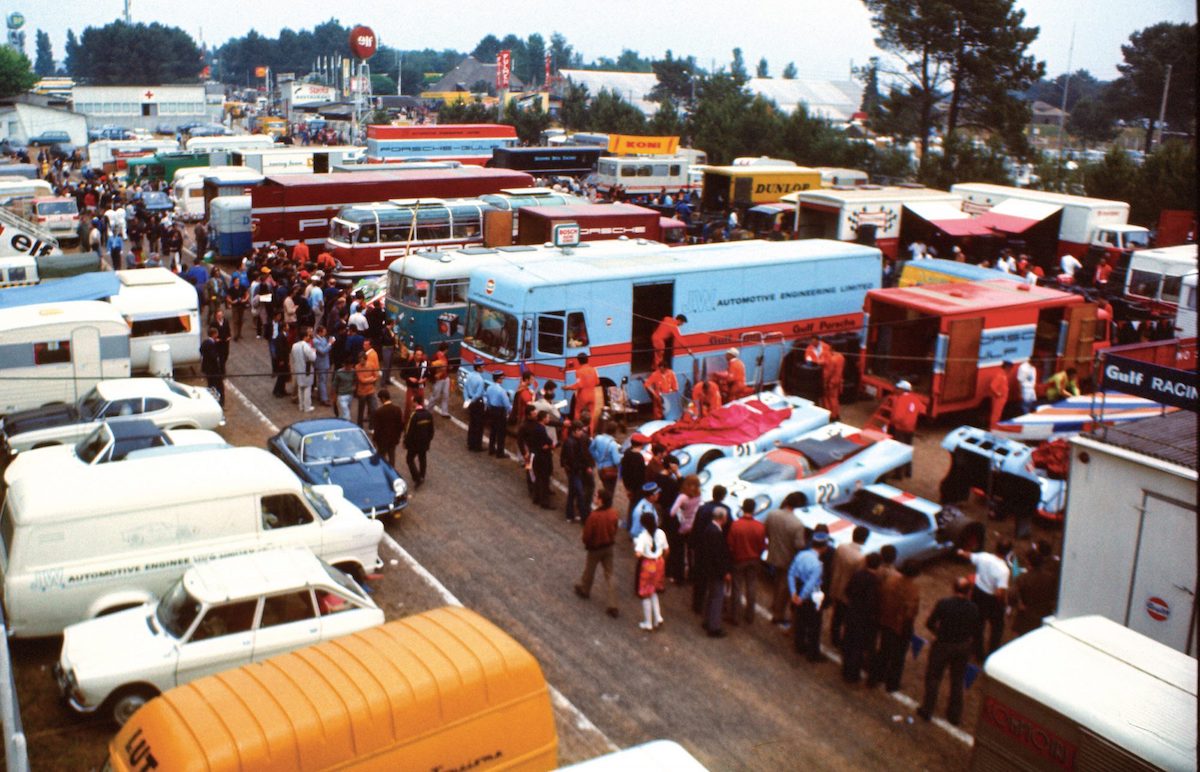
x,y
57,207
332,446
881,514
90,446
769,470
177,610
343,581
317,502
91,406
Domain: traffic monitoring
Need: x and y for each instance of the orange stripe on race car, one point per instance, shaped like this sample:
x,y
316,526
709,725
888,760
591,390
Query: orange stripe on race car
x,y
840,525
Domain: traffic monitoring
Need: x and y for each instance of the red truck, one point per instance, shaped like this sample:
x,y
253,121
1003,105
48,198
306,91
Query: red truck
x,y
298,207
600,221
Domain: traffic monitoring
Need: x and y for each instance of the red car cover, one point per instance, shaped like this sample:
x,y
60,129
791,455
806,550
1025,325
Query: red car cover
x,y
733,424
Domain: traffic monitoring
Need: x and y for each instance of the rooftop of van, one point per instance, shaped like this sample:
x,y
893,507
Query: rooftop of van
x,y
963,297
364,178
588,210
1131,690
43,496
248,576
752,170
1062,199
68,312
458,261
679,260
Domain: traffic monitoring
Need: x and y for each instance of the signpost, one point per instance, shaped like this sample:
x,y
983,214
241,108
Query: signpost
x,y
363,44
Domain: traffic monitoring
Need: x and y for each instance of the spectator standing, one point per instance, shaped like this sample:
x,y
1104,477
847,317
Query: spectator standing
x,y
439,370
418,436
211,365
322,345
862,618
650,547
680,520
747,539
303,358
712,571
238,298
606,454
1034,594
955,624
344,384
388,427
804,586
899,603
473,391
498,405
599,537
577,463
366,373
989,593
633,474
847,559
785,538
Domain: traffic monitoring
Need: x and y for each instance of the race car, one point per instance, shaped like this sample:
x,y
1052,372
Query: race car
x,y
918,528
1073,415
1003,469
827,465
742,428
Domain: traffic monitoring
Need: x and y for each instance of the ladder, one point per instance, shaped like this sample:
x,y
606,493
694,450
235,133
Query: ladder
x,y
882,417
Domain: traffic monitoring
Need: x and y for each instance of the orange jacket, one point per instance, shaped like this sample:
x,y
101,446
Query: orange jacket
x,y
586,379
667,329
664,381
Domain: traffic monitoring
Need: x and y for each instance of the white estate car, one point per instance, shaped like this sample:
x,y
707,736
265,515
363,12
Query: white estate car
x,y
167,403
220,615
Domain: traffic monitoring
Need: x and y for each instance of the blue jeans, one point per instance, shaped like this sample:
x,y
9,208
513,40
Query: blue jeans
x,y
343,406
577,496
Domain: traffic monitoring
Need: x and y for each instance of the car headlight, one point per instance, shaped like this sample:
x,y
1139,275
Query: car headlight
x,y
761,502
705,476
399,487
683,457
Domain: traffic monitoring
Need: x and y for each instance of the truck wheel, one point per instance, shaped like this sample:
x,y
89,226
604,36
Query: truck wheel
x,y
708,458
126,702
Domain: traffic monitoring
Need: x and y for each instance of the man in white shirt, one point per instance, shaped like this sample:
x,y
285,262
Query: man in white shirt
x,y
1069,265
990,593
1027,380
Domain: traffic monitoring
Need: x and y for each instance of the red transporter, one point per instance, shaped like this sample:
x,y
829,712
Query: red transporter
x,y
949,340
598,222
295,207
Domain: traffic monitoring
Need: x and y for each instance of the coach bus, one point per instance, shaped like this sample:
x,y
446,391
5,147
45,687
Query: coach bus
x,y
470,143
642,176
552,161
757,297
298,207
364,238
427,291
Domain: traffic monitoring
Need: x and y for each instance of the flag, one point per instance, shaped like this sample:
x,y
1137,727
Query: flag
x,y
503,69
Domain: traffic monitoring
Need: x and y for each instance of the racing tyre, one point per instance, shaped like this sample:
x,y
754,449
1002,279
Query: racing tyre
x,y
127,701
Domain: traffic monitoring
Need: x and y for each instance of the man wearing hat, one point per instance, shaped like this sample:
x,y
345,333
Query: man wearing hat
x,y
998,393
498,403
473,389
733,378
906,408
647,504
804,583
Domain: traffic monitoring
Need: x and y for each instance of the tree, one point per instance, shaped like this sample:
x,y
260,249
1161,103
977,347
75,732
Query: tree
x,y
532,67
666,121
1139,90
1115,177
44,63
789,72
674,79
628,61
762,71
573,112
16,73
918,34
1166,180
382,84
562,55
71,54
1081,85
462,111
1092,122
610,114
872,102
529,122
721,104
136,54
487,49
737,68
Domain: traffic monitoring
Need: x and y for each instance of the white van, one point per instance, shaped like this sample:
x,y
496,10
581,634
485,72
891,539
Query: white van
x,y
75,545
1185,315
188,187
16,190
160,307
235,142
56,352
18,271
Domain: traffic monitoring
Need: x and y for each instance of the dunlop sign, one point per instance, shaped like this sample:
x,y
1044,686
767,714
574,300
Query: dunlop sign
x,y
1167,385
628,144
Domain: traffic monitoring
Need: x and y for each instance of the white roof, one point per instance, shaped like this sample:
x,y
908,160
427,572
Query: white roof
x,y
154,291
1171,261
67,312
248,576
1029,210
936,211
1125,687
864,194
1062,199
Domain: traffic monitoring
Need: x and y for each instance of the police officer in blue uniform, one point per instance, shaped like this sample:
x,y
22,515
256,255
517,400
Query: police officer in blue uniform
x,y
498,406
473,389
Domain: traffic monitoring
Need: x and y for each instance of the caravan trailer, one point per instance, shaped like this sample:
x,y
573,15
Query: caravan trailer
x,y
159,307
55,352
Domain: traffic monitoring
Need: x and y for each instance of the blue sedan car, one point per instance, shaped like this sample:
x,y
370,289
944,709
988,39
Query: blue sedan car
x,y
330,451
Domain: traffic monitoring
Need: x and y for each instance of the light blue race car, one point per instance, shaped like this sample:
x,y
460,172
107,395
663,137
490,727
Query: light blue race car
x,y
827,465
918,528
1000,467
706,445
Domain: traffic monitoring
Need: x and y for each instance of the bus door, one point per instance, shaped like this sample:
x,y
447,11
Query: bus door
x,y
1079,338
962,360
765,352
651,302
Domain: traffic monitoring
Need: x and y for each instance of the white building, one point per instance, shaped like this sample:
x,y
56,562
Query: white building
x,y
834,100
145,107
21,121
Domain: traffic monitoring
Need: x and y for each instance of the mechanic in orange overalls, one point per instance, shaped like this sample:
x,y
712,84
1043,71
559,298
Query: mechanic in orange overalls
x,y
832,377
906,409
998,393
667,332
733,379
661,382
706,396
588,394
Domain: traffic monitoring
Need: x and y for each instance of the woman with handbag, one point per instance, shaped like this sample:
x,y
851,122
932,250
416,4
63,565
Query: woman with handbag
x,y
650,547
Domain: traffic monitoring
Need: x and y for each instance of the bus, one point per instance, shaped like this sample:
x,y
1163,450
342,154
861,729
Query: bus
x,y
364,238
643,176
427,291
741,187
299,207
163,167
757,297
110,154
470,143
552,161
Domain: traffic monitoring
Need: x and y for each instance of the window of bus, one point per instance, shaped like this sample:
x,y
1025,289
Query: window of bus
x,y
163,325
492,332
340,230
1171,288
577,336
450,292
550,333
607,168
414,292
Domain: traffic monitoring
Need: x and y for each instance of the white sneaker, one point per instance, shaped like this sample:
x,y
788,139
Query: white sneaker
x,y
645,626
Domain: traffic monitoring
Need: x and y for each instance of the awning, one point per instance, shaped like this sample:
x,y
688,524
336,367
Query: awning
x,y
98,285
948,218
1016,216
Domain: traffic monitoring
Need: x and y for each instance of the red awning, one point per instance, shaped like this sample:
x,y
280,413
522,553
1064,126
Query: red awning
x,y
947,218
969,226
1017,216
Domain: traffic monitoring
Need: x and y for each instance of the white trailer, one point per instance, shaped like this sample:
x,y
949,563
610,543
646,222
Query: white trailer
x,y
235,142
55,352
109,151
294,160
159,307
1129,539
1083,223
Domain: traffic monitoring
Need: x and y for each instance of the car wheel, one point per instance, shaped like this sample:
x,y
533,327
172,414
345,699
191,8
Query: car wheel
x,y
127,701
708,458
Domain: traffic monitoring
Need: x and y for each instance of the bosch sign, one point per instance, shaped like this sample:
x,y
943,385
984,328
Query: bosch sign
x,y
362,42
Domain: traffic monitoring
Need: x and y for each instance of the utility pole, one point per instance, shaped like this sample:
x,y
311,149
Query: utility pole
x,y
127,21
1062,119
1162,109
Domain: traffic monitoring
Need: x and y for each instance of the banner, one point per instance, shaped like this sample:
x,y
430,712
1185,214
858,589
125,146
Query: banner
x,y
628,144
547,69
503,69
1144,379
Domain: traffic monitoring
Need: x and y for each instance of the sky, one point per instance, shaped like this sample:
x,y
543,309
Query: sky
x,y
823,37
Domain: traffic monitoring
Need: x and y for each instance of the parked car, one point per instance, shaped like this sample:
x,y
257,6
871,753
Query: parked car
x,y
59,215
330,451
165,128
116,441
163,401
826,465
919,529
734,429
155,201
219,615
114,132
47,138
1006,471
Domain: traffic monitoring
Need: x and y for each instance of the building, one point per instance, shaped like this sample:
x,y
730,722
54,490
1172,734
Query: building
x,y
146,107
23,118
834,100
1043,114
469,73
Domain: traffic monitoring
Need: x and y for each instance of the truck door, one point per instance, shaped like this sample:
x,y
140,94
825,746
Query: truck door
x,y
743,192
1078,348
651,302
962,360
1162,590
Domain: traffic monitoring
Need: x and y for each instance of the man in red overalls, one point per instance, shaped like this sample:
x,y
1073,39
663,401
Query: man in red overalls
x,y
906,409
661,382
587,388
666,333
998,393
